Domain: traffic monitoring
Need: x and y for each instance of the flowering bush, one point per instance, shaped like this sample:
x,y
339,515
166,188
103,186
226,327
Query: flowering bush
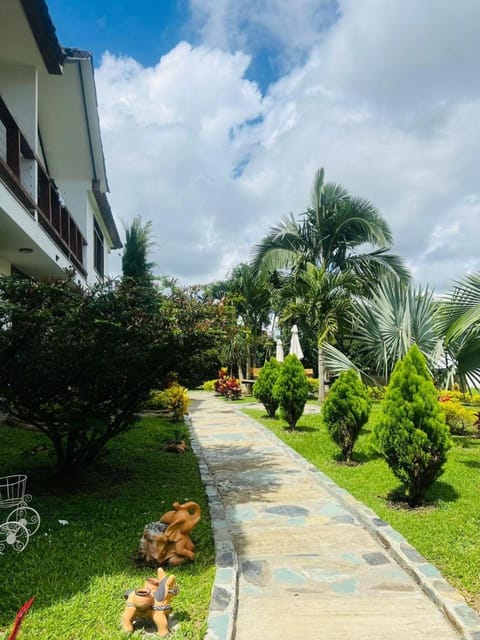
x,y
460,419
228,386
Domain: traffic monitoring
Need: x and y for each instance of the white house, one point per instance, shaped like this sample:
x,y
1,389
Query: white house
x,y
54,211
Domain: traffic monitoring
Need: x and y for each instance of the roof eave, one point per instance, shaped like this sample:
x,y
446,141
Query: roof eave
x,y
44,32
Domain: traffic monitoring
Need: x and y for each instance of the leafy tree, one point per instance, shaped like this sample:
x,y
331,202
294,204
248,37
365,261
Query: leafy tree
x,y
201,330
291,390
411,432
79,363
138,242
346,410
263,387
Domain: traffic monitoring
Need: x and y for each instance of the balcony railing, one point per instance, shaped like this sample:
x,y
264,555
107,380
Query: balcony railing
x,y
23,173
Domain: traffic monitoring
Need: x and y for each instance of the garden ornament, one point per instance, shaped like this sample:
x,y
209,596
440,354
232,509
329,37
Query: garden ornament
x,y
167,542
151,602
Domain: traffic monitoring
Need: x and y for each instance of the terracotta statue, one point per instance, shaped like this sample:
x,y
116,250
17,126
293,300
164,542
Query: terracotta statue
x,y
151,602
167,541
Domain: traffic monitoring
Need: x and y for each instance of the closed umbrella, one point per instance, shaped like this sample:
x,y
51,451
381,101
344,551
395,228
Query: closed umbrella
x,y
295,343
279,351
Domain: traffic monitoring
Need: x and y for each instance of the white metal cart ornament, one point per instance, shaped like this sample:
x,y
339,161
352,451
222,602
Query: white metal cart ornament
x,y
22,521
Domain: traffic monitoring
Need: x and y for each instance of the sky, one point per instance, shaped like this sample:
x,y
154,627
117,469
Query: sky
x,y
216,114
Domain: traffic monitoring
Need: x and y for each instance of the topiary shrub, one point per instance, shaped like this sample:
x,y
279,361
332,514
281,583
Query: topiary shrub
x,y
411,432
263,387
346,410
291,390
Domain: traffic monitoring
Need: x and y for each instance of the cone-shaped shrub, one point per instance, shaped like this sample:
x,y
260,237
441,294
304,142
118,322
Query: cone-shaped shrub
x,y
291,390
263,387
346,410
411,431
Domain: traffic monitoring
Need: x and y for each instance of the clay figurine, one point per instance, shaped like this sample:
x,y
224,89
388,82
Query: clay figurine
x,y
167,542
151,602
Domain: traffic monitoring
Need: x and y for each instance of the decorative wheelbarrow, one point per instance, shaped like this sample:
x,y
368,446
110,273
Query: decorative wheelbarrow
x,y
22,521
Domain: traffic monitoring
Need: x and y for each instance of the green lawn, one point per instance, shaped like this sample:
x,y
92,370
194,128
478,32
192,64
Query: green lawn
x,y
79,572
446,531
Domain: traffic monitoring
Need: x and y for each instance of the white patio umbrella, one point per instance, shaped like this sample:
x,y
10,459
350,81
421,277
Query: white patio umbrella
x,y
279,351
295,343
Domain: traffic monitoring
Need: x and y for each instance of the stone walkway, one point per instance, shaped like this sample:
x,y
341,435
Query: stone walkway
x,y
298,558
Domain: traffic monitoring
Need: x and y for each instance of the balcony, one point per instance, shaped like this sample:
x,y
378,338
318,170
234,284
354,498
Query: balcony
x,y
24,175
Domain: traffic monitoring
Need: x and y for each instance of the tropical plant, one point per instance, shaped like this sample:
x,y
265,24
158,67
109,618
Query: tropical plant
x,y
251,299
176,400
458,321
329,234
291,390
263,387
138,242
410,431
228,386
320,302
346,410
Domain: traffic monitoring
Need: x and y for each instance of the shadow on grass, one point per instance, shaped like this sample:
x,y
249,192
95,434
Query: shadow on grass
x,y
438,493
105,510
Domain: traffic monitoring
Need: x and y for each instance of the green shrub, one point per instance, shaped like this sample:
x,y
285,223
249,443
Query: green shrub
x,y
156,401
209,385
411,432
346,410
460,419
376,392
291,390
312,387
263,387
77,363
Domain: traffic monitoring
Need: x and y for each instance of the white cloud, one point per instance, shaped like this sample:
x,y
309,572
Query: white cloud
x,y
388,102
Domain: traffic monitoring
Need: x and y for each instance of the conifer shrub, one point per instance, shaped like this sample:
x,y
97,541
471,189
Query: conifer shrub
x,y
263,387
411,432
291,390
346,410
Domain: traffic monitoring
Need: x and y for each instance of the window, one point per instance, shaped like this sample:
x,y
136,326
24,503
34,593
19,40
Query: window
x,y
98,252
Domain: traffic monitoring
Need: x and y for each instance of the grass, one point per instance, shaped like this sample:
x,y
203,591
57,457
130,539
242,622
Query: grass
x,y
79,572
446,530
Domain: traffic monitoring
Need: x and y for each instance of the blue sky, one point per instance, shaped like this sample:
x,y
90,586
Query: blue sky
x,y
147,29
216,114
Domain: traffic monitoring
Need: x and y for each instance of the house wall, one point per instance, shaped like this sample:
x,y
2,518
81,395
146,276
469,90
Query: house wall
x,y
19,89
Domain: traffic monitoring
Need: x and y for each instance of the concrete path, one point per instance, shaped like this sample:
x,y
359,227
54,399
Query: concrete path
x,y
308,568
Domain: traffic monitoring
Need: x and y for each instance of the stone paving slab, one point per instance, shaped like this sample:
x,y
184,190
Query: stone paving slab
x,y
298,557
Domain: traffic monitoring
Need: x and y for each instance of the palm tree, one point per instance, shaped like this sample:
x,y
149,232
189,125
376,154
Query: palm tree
x,y
397,316
329,234
138,243
251,298
320,302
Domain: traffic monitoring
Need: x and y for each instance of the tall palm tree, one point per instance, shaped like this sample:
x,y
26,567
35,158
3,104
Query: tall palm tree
x,y
138,243
330,234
